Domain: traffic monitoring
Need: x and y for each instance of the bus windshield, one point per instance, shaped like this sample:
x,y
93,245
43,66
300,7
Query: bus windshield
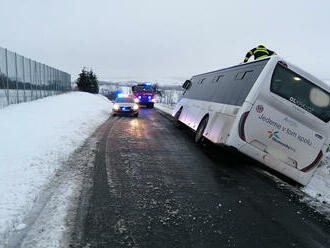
x,y
301,92
142,89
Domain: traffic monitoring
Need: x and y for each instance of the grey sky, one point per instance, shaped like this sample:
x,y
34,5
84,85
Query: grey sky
x,y
164,39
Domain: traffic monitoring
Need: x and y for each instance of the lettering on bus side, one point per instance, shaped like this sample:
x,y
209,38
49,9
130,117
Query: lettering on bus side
x,y
301,104
289,131
269,121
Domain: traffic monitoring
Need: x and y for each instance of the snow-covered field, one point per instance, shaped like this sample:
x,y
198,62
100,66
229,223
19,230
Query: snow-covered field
x,y
319,186
36,139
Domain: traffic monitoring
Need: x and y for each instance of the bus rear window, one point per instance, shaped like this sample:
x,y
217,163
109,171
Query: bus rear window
x,y
301,92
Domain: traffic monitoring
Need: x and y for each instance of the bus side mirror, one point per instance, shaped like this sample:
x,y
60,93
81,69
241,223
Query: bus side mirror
x,y
186,85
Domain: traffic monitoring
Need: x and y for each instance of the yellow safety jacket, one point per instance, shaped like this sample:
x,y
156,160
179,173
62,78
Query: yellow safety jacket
x,y
259,52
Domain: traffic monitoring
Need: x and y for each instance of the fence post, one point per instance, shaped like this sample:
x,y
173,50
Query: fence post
x,y
16,78
41,86
31,87
39,80
36,79
44,76
7,79
56,81
23,79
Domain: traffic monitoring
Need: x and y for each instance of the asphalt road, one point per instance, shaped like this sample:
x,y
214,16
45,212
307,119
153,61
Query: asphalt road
x,y
154,187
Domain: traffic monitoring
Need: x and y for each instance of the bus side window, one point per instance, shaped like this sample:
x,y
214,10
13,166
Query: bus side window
x,y
242,74
186,86
247,73
202,81
218,78
193,89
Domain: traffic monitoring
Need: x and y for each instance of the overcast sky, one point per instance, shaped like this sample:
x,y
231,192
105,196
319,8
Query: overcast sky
x,y
170,39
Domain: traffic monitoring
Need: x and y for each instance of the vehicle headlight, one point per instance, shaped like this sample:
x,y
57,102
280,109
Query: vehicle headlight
x,y
136,100
153,100
135,107
116,106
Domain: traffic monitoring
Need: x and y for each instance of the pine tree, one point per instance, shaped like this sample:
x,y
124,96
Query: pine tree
x,y
87,81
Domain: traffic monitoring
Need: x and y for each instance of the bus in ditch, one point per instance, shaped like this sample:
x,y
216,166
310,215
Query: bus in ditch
x,y
268,109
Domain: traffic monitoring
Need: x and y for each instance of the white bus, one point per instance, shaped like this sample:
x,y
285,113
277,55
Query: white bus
x,y
267,109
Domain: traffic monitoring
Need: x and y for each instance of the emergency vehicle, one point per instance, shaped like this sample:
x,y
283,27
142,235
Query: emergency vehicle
x,y
144,94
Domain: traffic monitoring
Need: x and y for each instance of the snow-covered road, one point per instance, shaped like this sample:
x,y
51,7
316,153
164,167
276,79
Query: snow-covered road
x,y
37,138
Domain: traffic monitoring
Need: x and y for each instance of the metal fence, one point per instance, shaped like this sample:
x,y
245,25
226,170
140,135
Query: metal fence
x,y
23,79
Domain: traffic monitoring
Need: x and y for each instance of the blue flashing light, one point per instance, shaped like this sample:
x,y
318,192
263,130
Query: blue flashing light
x,y
139,97
149,97
120,95
123,108
148,84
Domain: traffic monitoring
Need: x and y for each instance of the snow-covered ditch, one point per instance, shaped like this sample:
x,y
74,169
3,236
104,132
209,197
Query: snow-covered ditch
x,y
165,107
319,186
36,139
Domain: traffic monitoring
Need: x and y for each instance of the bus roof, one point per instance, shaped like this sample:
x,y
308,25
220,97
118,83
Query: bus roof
x,y
232,67
276,59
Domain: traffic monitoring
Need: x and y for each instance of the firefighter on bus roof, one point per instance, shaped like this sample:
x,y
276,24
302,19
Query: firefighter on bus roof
x,y
259,52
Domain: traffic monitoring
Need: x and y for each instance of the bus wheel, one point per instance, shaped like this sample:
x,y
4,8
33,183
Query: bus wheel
x,y
177,123
200,130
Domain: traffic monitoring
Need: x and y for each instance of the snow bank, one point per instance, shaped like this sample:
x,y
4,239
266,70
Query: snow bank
x,y
319,186
36,137
165,108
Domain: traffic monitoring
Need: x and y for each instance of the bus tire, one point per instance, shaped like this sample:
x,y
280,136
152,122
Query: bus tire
x,y
177,123
200,130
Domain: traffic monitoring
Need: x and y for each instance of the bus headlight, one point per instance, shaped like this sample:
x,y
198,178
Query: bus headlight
x,y
116,106
136,100
135,107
